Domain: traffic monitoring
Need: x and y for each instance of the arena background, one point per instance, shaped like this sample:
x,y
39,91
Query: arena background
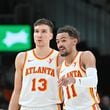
x,y
90,17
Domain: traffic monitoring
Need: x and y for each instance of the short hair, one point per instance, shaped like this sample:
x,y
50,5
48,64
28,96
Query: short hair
x,y
72,31
45,22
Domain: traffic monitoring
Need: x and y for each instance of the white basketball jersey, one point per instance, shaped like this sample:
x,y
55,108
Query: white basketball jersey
x,y
77,97
39,86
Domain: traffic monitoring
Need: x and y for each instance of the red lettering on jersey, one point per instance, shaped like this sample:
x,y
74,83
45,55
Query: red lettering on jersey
x,y
75,73
43,70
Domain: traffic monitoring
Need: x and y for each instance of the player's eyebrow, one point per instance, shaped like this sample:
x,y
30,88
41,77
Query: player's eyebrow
x,y
62,37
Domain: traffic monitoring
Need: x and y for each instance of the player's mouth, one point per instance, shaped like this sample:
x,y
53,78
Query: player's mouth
x,y
62,49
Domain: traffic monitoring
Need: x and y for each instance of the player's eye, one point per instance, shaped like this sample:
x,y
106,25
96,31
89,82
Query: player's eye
x,y
57,41
36,31
63,40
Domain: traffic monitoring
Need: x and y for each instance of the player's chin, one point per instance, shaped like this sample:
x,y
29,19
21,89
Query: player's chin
x,y
63,55
40,44
61,52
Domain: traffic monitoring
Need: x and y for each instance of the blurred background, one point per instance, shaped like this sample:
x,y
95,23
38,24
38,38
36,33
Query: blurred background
x,y
90,17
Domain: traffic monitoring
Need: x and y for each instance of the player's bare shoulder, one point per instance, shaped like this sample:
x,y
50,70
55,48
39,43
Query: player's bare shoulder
x,y
87,54
88,58
20,58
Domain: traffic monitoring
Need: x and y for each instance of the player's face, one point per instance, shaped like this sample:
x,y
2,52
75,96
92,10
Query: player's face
x,y
65,43
42,35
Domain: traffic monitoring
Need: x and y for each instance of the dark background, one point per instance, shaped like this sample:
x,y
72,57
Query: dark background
x,y
90,17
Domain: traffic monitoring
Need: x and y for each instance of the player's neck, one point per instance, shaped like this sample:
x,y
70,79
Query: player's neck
x,y
42,52
70,58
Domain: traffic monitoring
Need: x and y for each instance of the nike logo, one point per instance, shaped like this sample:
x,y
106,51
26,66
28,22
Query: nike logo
x,y
30,60
61,71
74,64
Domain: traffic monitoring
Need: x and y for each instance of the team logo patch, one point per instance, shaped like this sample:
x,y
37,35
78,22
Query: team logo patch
x,y
50,60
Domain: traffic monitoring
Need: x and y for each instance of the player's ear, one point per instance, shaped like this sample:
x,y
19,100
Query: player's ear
x,y
75,41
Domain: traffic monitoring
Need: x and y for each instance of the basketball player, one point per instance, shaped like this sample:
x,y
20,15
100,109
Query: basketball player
x,y
36,86
78,73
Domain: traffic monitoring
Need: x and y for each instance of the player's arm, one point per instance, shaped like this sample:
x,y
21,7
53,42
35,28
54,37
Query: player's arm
x,y
89,62
14,102
60,59
59,62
